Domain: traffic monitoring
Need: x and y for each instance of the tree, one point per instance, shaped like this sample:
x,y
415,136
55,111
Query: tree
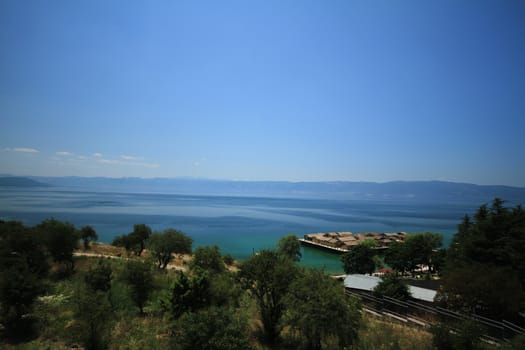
x,y
98,278
290,246
88,234
491,291
268,275
164,245
209,259
19,288
215,328
135,241
190,294
138,276
93,314
487,251
60,239
138,237
463,335
22,267
392,286
319,310
420,249
397,257
359,259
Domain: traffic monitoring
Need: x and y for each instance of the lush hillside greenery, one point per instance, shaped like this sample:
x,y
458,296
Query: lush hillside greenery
x,y
148,292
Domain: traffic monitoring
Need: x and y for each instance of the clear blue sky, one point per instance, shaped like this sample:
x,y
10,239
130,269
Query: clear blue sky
x,y
264,90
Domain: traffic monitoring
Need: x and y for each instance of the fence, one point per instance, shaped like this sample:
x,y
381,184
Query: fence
x,y
424,315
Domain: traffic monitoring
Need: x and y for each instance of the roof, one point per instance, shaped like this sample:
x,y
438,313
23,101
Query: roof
x,y
368,283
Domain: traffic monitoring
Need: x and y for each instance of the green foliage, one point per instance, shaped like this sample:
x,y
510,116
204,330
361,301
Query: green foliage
x,y
418,249
460,336
492,291
318,309
290,246
138,276
134,241
359,259
94,318
268,275
190,294
19,243
164,245
215,328
22,266
209,259
488,251
392,286
19,288
60,239
98,278
88,234
138,237
228,259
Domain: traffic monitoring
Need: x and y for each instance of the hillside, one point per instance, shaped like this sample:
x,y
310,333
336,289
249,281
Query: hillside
x,y
398,190
16,181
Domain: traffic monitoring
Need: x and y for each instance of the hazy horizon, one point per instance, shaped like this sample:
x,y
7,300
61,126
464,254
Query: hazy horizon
x,y
264,91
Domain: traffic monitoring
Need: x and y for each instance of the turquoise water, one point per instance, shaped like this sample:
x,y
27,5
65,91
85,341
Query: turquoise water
x,y
239,225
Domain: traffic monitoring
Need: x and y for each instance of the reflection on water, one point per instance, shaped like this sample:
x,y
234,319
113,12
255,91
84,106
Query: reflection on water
x,y
239,225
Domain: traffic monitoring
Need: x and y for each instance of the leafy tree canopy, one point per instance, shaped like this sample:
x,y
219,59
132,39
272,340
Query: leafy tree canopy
x,y
88,234
290,246
215,328
164,245
268,275
359,259
485,264
392,286
319,310
209,259
138,276
61,239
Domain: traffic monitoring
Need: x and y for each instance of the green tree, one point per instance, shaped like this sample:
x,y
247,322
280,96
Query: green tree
x,y
19,288
98,278
228,259
290,246
88,234
468,291
463,335
190,294
359,259
392,286
138,237
93,315
396,257
487,251
268,275
60,239
20,243
209,259
164,245
138,276
22,267
215,328
420,249
135,241
319,310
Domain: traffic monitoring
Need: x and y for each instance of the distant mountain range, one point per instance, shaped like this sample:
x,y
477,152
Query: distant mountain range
x,y
397,190
17,181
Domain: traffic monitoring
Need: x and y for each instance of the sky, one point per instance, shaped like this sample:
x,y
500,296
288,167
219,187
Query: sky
x,y
264,90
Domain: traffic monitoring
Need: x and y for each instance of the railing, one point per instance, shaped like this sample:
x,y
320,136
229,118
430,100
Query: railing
x,y
425,315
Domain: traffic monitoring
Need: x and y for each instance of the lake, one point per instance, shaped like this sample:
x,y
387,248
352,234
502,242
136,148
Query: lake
x,y
239,225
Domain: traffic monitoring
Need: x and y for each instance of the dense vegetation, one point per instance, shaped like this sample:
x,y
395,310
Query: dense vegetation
x,y
157,297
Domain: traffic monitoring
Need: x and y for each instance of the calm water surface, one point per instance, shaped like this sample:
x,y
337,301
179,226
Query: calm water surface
x,y
239,225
